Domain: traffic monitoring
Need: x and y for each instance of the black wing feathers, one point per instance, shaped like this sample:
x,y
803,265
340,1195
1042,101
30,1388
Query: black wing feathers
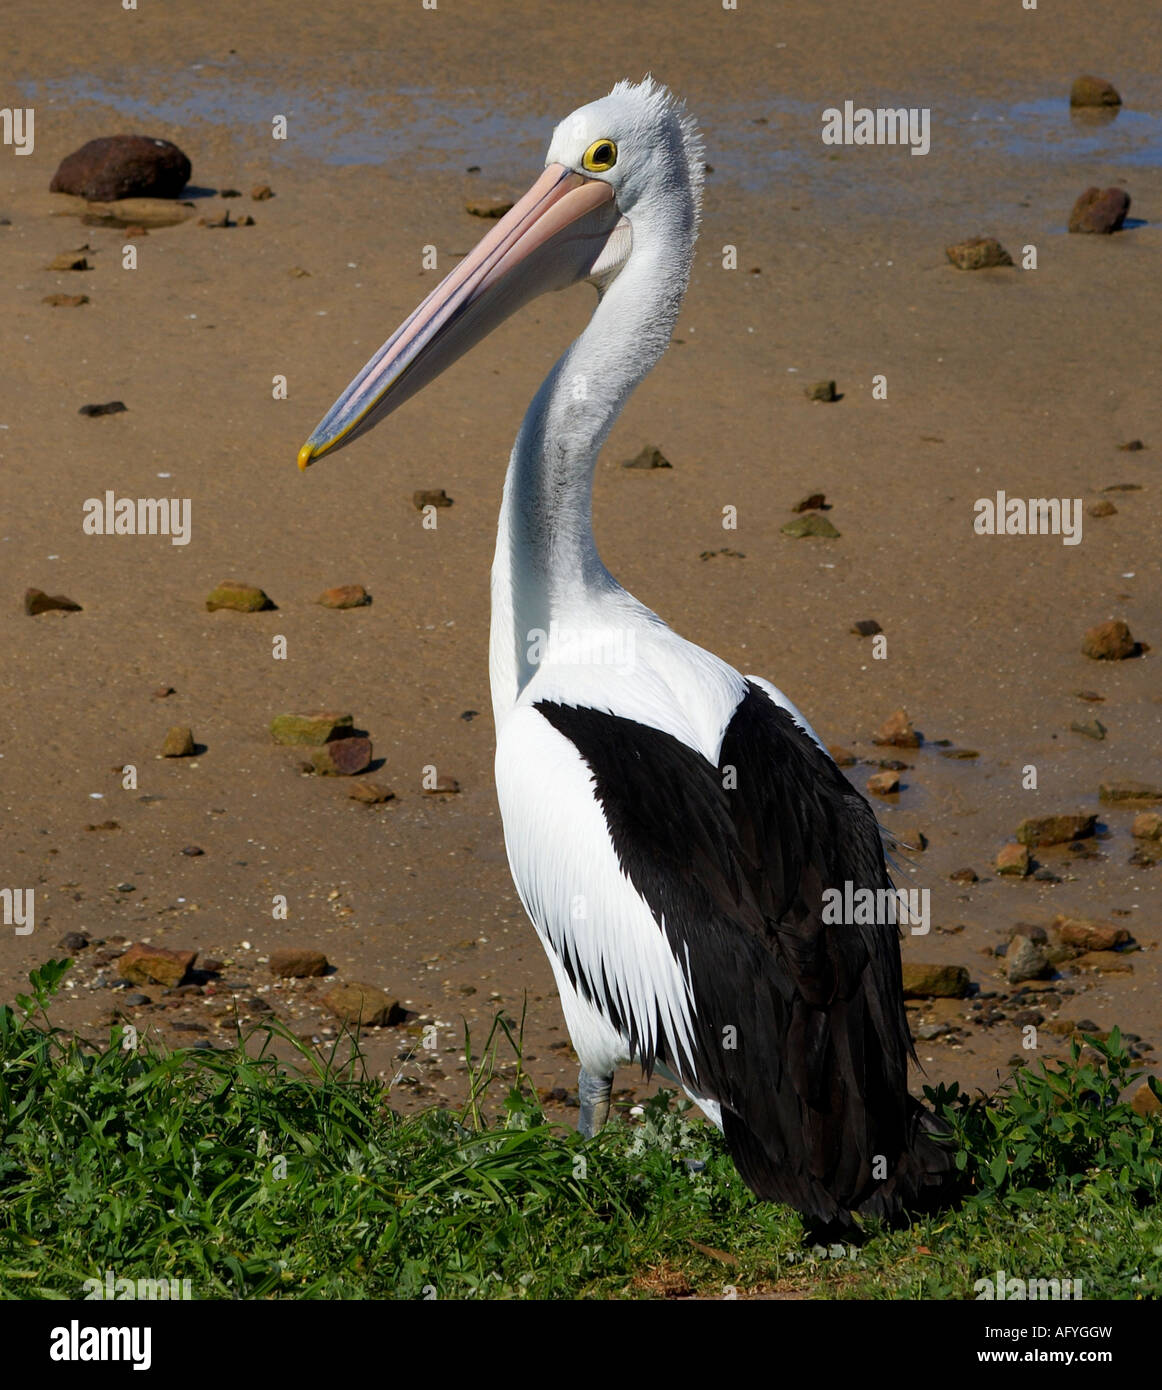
x,y
800,1031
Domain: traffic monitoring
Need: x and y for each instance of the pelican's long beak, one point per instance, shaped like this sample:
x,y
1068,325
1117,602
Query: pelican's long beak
x,y
560,232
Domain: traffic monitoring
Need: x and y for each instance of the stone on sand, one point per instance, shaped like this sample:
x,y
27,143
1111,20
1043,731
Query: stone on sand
x,y
883,783
178,743
648,457
297,963
342,757
37,601
1109,641
311,730
1129,790
1025,960
1105,962
1055,830
1013,861
1102,508
123,166
978,253
366,1005
103,408
1100,211
897,732
345,596
1093,91
69,260
371,793
65,301
242,598
934,981
821,391
261,192
154,965
1147,826
488,207
810,524
1088,935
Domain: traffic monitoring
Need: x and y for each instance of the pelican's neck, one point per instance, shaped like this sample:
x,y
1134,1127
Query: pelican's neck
x,y
546,568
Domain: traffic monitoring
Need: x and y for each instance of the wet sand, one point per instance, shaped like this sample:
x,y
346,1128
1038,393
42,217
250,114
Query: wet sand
x,y
1025,381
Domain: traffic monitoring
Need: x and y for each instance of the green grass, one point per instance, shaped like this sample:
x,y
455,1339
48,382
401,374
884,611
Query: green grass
x,y
254,1178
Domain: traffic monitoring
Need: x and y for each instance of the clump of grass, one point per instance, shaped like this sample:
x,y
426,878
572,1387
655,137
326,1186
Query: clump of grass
x,y
253,1177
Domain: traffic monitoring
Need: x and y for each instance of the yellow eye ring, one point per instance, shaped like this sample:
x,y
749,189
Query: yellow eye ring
x,y
601,155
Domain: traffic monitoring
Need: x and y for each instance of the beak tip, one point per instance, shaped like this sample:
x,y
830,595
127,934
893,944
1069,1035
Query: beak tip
x,y
306,457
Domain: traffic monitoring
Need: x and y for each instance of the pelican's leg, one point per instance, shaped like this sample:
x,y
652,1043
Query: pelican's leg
x,y
593,1092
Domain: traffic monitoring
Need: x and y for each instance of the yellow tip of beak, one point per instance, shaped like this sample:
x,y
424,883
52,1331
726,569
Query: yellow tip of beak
x,y
306,454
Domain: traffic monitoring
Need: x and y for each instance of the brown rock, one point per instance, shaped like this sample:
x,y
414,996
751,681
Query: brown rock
x,y
934,981
1089,936
842,757
821,391
978,253
363,1005
811,503
1145,1102
371,793
344,757
123,166
445,786
1147,826
179,742
1129,791
65,301
133,215
345,596
297,963
103,408
964,876
1091,728
163,692
897,732
1013,861
866,627
37,601
1103,508
1131,446
1109,641
430,497
1093,91
261,192
242,598
310,730
1100,211
648,457
69,260
1025,960
883,783
810,524
154,965
1055,830
1106,962
488,207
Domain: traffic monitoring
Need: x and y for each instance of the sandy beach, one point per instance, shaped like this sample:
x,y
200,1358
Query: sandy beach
x,y
1026,381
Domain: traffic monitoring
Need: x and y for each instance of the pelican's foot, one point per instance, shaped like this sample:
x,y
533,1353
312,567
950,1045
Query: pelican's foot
x,y
593,1092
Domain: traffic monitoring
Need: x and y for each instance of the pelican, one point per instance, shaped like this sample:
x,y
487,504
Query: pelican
x,y
671,825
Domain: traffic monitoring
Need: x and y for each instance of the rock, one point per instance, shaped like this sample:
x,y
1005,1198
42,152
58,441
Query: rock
x,y
105,825
69,260
811,503
296,272
364,1005
810,524
261,192
345,596
123,166
136,1001
430,497
193,851
163,692
132,215
343,757
842,757
897,732
1106,962
488,207
1145,1102
1091,728
154,965
1013,861
928,1031
1087,935
1109,641
910,836
821,391
179,742
73,941
959,754
1033,930
1028,1017
964,876
297,963
225,220
371,793
649,457
312,730
1147,826
978,253
866,627
934,981
1129,791
1025,960
1103,508
722,550
1093,91
1100,210
445,786
229,193
1131,446
37,601
104,408
242,598
883,783
65,301
1055,830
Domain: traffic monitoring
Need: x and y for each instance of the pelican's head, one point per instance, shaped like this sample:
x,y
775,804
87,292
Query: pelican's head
x,y
620,171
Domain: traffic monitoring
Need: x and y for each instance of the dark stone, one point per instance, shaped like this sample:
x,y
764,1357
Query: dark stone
x,y
109,408
1100,210
123,166
37,601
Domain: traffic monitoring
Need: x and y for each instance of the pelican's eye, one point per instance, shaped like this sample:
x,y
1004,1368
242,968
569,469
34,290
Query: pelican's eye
x,y
601,155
